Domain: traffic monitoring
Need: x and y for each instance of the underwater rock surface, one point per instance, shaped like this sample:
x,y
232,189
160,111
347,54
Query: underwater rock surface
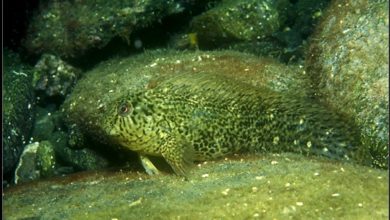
x,y
80,159
37,161
70,28
235,21
18,109
348,60
282,186
53,76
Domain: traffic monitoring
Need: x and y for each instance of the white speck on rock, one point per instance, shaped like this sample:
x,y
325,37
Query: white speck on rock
x,y
226,192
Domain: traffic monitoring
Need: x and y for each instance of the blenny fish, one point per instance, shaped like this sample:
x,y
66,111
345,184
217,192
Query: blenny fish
x,y
201,116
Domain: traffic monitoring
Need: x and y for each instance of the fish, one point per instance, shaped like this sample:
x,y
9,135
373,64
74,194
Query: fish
x,y
203,116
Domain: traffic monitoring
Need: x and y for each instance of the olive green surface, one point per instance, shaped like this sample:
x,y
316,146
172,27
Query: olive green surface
x,y
348,60
266,187
234,21
70,29
18,109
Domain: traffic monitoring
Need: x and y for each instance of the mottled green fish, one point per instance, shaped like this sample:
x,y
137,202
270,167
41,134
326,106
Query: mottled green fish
x,y
200,116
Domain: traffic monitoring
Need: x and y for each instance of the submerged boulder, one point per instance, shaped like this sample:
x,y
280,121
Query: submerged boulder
x,y
72,28
53,76
37,161
18,109
234,21
348,61
267,187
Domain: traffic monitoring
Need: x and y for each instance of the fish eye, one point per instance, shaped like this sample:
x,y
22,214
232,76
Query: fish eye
x,y
125,108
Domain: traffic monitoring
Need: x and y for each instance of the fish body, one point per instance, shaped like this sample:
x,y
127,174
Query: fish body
x,y
196,117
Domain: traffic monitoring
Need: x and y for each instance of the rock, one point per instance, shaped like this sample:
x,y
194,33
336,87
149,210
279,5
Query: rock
x,y
18,109
79,159
348,62
234,25
46,159
52,157
235,21
281,186
26,169
302,19
44,125
36,161
268,47
54,76
71,28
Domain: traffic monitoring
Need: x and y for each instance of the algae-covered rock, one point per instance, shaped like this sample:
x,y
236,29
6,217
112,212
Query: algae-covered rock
x,y
269,47
301,22
70,28
232,21
48,130
54,76
277,29
79,159
37,161
44,125
46,159
348,62
267,187
18,109
26,169
86,107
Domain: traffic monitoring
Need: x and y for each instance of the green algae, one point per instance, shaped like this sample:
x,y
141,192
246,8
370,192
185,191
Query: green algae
x,y
46,161
38,160
81,158
53,76
71,28
267,187
234,21
348,62
18,108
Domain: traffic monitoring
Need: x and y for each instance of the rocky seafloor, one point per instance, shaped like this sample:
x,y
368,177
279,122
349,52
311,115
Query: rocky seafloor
x,y
284,186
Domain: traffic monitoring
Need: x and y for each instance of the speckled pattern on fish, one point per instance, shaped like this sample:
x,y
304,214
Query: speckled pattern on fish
x,y
195,117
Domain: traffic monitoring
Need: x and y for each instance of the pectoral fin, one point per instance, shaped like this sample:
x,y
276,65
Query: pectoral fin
x,y
148,165
179,155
